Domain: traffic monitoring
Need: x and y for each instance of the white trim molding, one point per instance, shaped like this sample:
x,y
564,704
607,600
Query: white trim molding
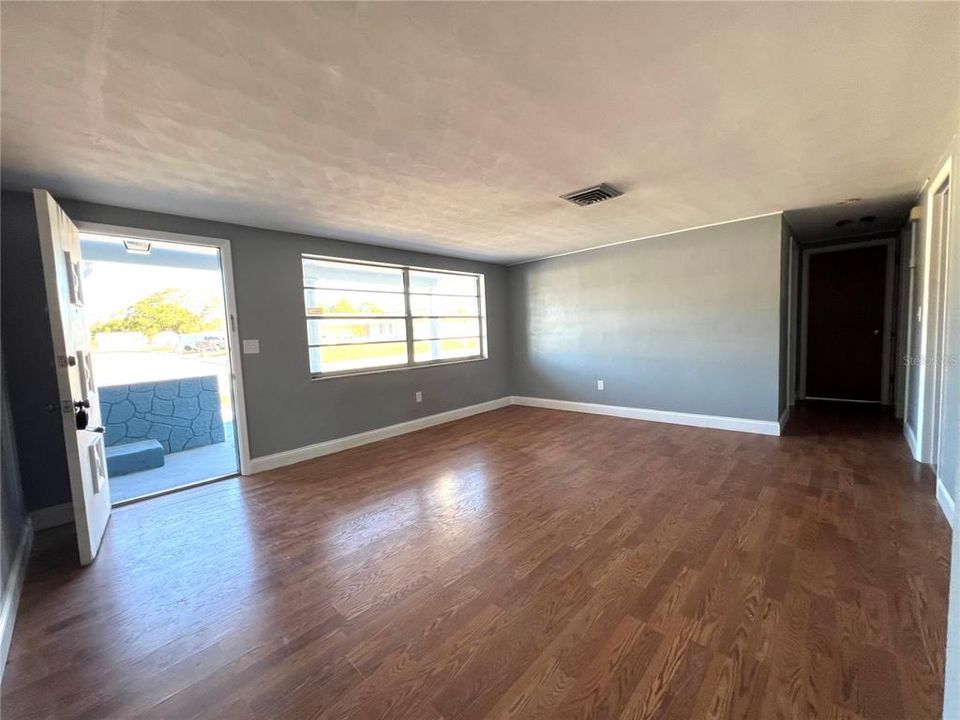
x,y
784,419
328,447
230,306
648,237
947,504
52,516
911,441
12,586
930,324
716,422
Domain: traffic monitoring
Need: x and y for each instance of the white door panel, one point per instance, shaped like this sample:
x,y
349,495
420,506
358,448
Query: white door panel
x,y
86,458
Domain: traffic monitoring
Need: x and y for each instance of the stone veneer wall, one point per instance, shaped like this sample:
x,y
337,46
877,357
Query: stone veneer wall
x,y
180,414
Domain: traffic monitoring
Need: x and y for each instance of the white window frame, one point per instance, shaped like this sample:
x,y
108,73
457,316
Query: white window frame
x,y
408,318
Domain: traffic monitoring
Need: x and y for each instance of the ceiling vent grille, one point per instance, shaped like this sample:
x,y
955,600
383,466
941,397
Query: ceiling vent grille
x,y
591,195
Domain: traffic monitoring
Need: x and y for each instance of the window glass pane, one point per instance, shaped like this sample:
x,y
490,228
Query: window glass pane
x,y
424,328
435,283
335,331
443,305
427,350
346,303
357,357
358,316
328,274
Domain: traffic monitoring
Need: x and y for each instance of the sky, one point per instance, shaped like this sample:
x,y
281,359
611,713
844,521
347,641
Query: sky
x,y
111,287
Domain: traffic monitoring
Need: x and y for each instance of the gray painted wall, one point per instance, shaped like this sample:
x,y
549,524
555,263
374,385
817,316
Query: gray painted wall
x,y
12,512
28,361
285,408
688,322
951,681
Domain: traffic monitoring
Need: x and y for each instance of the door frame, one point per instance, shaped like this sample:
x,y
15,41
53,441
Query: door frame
x,y
793,307
887,348
229,293
930,337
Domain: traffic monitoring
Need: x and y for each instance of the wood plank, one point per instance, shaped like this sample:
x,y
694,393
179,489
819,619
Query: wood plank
x,y
523,563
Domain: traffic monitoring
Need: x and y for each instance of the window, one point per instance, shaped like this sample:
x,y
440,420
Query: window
x,y
363,316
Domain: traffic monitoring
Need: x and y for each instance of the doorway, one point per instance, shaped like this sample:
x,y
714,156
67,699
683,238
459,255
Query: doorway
x,y
846,322
158,312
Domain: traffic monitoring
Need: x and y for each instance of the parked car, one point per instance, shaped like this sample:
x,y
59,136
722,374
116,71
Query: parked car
x,y
201,342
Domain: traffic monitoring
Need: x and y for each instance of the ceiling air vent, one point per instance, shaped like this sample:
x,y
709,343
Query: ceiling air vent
x,y
591,195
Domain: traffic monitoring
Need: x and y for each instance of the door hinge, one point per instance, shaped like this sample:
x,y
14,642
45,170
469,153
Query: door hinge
x,y
233,323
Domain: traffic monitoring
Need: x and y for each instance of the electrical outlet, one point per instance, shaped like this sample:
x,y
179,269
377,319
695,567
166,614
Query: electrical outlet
x,y
419,396
599,384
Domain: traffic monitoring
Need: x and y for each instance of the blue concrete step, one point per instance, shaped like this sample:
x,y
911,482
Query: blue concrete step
x,y
134,457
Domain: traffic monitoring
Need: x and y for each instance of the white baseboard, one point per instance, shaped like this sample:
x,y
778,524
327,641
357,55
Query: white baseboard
x,y
947,504
308,452
911,441
328,447
52,516
717,422
11,592
784,419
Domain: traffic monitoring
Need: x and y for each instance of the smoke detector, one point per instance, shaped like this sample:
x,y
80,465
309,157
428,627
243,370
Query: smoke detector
x,y
592,195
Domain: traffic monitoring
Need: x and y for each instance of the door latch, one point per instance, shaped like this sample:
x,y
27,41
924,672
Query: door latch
x,y
83,418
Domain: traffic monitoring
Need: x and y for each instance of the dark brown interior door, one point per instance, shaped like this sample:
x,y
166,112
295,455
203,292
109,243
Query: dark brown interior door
x,y
845,296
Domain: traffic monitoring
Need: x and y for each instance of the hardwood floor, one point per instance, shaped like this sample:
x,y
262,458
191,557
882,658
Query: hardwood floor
x,y
522,563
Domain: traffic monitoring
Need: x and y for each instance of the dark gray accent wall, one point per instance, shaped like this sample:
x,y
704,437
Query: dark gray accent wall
x,y
286,409
687,322
28,356
12,512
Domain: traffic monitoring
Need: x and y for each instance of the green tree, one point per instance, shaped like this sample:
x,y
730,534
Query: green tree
x,y
162,311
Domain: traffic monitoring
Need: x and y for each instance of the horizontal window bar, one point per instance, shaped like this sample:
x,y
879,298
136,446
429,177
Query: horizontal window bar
x,y
333,374
361,317
444,337
414,293
446,317
393,266
327,288
394,341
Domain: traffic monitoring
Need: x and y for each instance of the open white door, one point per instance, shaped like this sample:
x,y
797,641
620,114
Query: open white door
x,y
86,458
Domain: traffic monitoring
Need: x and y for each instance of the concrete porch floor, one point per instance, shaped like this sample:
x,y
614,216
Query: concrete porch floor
x,y
182,468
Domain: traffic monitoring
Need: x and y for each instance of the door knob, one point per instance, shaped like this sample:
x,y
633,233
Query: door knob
x,y
876,332
99,429
81,403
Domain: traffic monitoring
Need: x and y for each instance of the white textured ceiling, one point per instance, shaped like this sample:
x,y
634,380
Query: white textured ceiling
x,y
453,127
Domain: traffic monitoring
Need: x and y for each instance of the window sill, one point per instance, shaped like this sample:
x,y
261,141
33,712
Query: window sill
x,y
398,368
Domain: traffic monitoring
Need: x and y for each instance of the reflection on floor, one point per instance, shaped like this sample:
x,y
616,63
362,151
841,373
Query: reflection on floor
x,y
522,563
182,468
